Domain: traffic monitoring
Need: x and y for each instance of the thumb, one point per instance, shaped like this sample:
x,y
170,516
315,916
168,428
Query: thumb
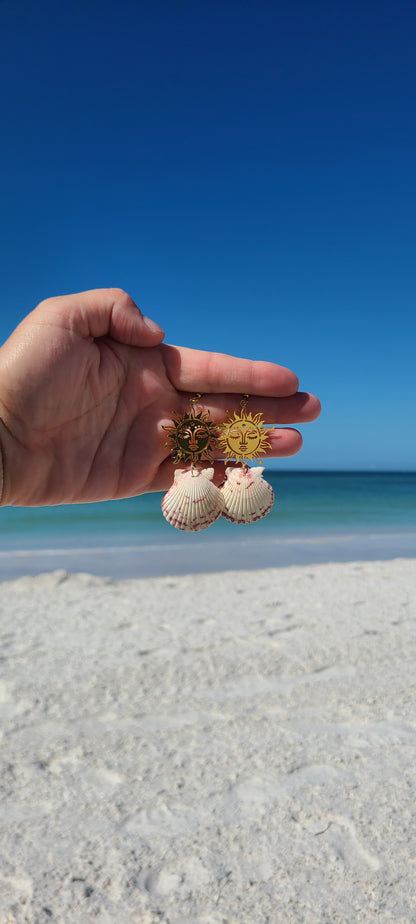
x,y
129,325
105,313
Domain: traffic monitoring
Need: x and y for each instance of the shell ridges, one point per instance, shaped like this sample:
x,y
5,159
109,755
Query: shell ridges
x,y
247,496
193,502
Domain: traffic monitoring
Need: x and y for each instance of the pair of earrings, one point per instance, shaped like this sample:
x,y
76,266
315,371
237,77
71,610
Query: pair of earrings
x,y
193,502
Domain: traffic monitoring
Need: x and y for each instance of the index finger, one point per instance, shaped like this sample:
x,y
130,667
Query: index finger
x,y
200,371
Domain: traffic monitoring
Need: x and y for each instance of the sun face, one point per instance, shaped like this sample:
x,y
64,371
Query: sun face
x,y
244,437
191,437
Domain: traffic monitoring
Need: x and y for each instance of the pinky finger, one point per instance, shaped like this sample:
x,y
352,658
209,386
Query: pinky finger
x,y
284,442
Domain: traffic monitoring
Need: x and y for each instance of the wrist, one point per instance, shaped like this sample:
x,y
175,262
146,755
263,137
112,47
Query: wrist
x,y
9,444
11,471
9,461
3,431
1,475
3,464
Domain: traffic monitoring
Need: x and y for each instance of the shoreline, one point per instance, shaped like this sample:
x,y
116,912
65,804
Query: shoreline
x,y
204,555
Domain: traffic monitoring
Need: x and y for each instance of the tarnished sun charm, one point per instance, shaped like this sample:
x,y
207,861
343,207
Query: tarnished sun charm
x,y
191,436
244,437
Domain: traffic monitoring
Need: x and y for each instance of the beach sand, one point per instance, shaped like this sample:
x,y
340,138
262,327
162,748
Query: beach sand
x,y
209,749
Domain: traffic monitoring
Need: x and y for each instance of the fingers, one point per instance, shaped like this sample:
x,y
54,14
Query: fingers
x,y
299,408
101,313
197,371
284,442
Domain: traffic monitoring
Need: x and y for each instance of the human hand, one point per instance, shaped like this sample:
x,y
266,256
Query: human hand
x,y
86,387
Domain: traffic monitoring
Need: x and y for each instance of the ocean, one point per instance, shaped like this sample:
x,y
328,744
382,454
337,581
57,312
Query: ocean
x,y
317,516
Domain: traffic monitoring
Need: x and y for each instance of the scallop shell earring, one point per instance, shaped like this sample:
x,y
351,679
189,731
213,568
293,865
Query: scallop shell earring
x,y
193,502
247,496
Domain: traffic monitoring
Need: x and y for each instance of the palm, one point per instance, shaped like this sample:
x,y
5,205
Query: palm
x,y
103,428
83,415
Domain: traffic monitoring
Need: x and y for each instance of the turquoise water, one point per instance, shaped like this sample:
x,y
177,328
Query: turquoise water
x,y
314,512
305,502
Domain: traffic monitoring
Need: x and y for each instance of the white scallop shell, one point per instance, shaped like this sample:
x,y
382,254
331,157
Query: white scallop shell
x,y
193,502
247,496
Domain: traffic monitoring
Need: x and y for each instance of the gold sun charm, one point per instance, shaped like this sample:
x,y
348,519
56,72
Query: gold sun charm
x,y
243,437
191,436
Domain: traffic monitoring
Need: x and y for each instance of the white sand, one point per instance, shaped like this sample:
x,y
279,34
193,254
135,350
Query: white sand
x,y
207,749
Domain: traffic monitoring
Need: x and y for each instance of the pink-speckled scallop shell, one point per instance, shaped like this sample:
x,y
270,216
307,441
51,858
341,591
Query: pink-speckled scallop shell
x,y
193,502
247,496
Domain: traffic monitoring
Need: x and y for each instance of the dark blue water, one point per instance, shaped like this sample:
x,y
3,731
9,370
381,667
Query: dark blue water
x,y
320,512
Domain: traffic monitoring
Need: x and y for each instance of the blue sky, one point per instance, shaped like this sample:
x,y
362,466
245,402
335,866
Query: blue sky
x,y
246,170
